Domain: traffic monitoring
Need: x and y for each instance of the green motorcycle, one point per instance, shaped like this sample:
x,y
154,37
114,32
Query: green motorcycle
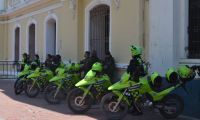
x,y
37,81
20,83
128,95
89,90
61,84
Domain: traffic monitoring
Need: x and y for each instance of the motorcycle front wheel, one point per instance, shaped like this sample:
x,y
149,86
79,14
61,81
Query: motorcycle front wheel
x,y
16,82
53,95
19,87
113,109
173,106
78,103
32,89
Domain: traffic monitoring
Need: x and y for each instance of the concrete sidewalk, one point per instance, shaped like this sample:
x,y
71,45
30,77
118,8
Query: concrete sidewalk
x,y
21,107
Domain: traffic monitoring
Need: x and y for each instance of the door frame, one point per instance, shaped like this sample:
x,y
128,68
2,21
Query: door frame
x,y
89,7
49,17
33,21
14,41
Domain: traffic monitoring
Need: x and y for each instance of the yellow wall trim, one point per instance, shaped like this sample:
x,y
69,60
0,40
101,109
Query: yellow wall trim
x,y
57,5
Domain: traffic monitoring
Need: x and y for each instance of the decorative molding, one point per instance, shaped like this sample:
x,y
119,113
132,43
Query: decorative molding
x,y
18,4
52,7
121,65
189,61
73,6
117,3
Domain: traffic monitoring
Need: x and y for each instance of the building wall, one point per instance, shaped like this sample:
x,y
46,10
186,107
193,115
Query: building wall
x,y
1,4
1,40
126,28
161,35
66,35
168,34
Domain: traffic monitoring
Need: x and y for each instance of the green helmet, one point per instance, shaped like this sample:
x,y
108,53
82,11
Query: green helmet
x,y
171,75
184,71
135,50
97,67
33,65
156,79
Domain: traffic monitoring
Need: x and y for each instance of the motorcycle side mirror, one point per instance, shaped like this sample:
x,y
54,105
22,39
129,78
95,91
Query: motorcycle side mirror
x,y
198,71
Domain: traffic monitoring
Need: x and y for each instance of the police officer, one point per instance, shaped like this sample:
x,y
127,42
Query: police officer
x,y
85,62
136,66
136,70
109,65
37,60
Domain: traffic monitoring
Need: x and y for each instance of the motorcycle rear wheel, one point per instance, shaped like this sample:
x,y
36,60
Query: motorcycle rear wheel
x,y
173,106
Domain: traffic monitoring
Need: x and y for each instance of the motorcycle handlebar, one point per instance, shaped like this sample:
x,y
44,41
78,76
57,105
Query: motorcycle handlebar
x,y
196,68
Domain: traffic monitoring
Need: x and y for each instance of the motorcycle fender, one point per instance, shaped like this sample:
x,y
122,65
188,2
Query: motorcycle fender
x,y
85,82
160,95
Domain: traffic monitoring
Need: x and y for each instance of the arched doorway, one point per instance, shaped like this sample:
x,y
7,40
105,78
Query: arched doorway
x,y
51,36
31,45
17,43
99,30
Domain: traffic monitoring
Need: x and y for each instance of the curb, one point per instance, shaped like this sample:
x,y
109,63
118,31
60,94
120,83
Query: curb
x,y
188,117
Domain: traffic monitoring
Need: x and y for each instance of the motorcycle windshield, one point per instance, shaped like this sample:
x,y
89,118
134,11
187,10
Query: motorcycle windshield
x,y
125,77
24,72
145,87
26,68
88,80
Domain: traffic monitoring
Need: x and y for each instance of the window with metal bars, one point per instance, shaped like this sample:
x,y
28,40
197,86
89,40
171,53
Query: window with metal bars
x,y
194,29
99,30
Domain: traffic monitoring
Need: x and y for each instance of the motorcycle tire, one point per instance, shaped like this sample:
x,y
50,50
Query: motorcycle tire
x,y
108,104
170,101
74,98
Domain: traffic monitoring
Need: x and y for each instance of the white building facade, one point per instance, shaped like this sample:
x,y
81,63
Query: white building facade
x,y
173,33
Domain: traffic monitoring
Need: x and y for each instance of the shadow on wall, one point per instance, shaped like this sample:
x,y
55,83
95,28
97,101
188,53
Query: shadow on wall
x,y
191,99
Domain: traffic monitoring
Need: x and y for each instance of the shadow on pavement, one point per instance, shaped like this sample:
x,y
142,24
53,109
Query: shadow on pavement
x,y
7,89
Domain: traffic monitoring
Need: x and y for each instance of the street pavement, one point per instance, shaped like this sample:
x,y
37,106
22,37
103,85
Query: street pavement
x,y
20,107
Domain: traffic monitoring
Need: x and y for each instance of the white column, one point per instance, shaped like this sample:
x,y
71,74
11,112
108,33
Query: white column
x,y
161,47
2,7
